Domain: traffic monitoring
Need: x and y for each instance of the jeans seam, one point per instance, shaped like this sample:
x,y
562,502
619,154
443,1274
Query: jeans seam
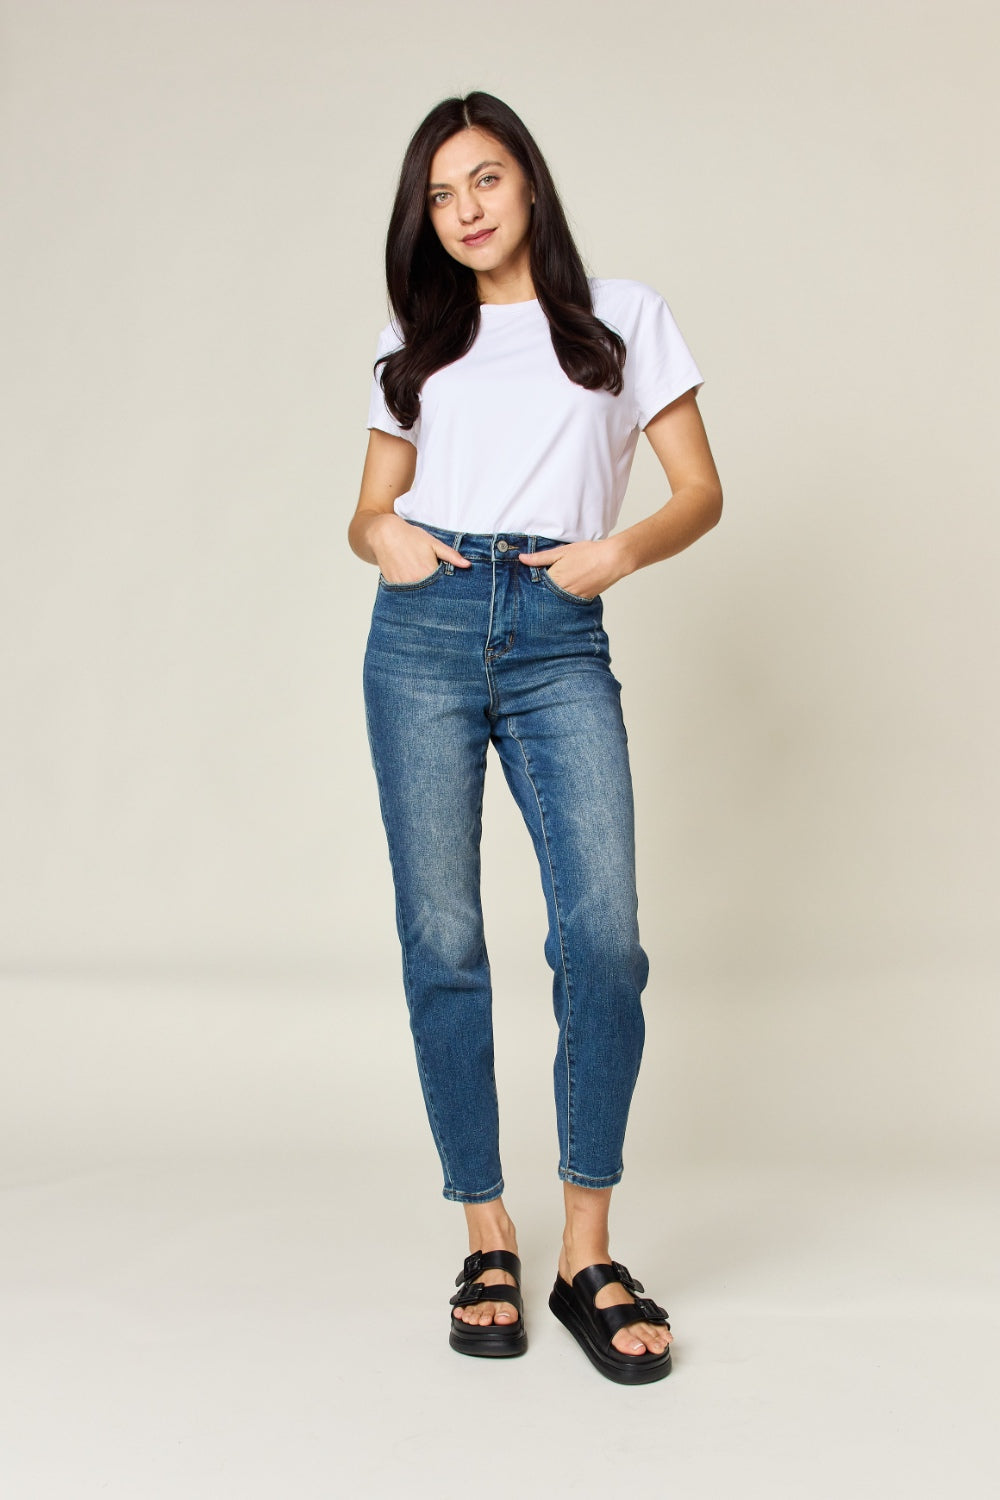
x,y
559,929
562,593
414,697
431,1109
413,588
582,1180
494,653
456,1195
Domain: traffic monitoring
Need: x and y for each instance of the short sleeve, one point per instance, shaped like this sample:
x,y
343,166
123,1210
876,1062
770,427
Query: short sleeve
x,y
663,367
379,414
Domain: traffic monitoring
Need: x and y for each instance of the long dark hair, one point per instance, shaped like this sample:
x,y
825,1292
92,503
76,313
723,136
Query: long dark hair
x,y
434,299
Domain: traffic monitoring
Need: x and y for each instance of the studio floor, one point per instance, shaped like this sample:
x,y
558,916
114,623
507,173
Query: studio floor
x,y
194,1308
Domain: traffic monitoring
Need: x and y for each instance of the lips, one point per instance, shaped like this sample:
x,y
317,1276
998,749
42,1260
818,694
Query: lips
x,y
477,239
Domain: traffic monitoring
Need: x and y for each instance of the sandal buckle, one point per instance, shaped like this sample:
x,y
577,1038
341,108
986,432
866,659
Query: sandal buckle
x,y
471,1269
626,1278
650,1311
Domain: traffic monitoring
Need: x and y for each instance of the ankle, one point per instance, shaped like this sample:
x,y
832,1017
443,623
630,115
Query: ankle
x,y
586,1233
585,1240
490,1228
585,1250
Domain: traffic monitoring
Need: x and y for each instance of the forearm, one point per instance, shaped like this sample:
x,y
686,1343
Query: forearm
x,y
692,510
390,464
365,528
402,551
588,568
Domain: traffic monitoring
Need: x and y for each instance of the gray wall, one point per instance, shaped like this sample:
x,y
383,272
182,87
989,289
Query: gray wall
x,y
195,198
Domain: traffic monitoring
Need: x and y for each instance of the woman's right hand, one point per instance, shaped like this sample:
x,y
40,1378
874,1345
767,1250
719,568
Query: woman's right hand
x,y
405,553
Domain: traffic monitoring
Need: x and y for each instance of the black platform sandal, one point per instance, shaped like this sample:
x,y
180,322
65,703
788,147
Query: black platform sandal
x,y
595,1327
494,1340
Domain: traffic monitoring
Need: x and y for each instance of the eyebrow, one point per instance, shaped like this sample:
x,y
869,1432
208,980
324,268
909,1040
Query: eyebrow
x,y
433,186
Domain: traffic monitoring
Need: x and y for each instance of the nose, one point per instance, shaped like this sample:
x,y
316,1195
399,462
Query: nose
x,y
469,210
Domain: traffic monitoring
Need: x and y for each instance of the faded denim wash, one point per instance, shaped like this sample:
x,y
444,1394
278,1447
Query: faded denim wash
x,y
498,653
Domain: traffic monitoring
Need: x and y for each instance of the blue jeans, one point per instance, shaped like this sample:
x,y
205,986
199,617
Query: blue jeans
x,y
499,653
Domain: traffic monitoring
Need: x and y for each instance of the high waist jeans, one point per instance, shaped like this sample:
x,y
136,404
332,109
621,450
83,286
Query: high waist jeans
x,y
499,653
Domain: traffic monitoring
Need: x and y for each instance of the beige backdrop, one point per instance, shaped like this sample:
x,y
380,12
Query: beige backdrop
x,y
195,200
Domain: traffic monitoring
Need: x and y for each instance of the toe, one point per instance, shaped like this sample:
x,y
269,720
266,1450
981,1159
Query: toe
x,y
652,1337
626,1341
503,1312
482,1314
642,1338
498,1312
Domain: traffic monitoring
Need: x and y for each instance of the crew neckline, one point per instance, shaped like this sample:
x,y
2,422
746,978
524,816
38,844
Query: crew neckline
x,y
508,306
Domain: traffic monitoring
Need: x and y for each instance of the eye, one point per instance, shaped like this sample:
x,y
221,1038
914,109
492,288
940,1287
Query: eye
x,y
487,177
435,197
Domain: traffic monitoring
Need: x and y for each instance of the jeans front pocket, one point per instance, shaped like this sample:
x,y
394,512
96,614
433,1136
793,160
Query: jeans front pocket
x,y
561,593
420,583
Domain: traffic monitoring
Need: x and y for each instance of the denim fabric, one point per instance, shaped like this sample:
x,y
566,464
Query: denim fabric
x,y
498,653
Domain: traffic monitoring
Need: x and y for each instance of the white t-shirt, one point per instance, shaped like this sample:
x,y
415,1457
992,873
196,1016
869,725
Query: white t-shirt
x,y
507,442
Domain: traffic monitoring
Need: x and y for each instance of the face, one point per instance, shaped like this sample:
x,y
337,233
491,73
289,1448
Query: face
x,y
479,202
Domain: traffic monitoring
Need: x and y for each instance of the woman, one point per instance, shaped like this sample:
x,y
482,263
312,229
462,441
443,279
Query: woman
x,y
508,395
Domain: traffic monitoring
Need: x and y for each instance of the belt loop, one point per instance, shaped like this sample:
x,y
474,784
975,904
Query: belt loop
x,y
449,567
532,548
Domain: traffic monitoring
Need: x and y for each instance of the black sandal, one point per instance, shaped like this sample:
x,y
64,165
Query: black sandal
x,y
495,1340
595,1327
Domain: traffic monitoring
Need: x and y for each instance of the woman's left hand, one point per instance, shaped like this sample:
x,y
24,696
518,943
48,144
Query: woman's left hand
x,y
583,568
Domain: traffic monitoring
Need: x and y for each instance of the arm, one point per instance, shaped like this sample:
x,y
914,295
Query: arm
x,y
678,438
402,552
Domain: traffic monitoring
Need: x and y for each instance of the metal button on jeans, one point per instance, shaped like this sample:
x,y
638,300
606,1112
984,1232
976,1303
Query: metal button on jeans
x,y
503,546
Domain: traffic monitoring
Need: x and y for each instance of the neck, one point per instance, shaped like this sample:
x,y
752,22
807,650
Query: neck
x,y
517,288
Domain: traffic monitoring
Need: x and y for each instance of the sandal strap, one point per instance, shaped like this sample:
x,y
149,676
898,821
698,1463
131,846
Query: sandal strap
x,y
489,1260
589,1281
475,1291
622,1315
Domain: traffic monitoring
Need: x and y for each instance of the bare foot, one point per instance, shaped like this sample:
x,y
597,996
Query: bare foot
x,y
634,1338
585,1243
490,1229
